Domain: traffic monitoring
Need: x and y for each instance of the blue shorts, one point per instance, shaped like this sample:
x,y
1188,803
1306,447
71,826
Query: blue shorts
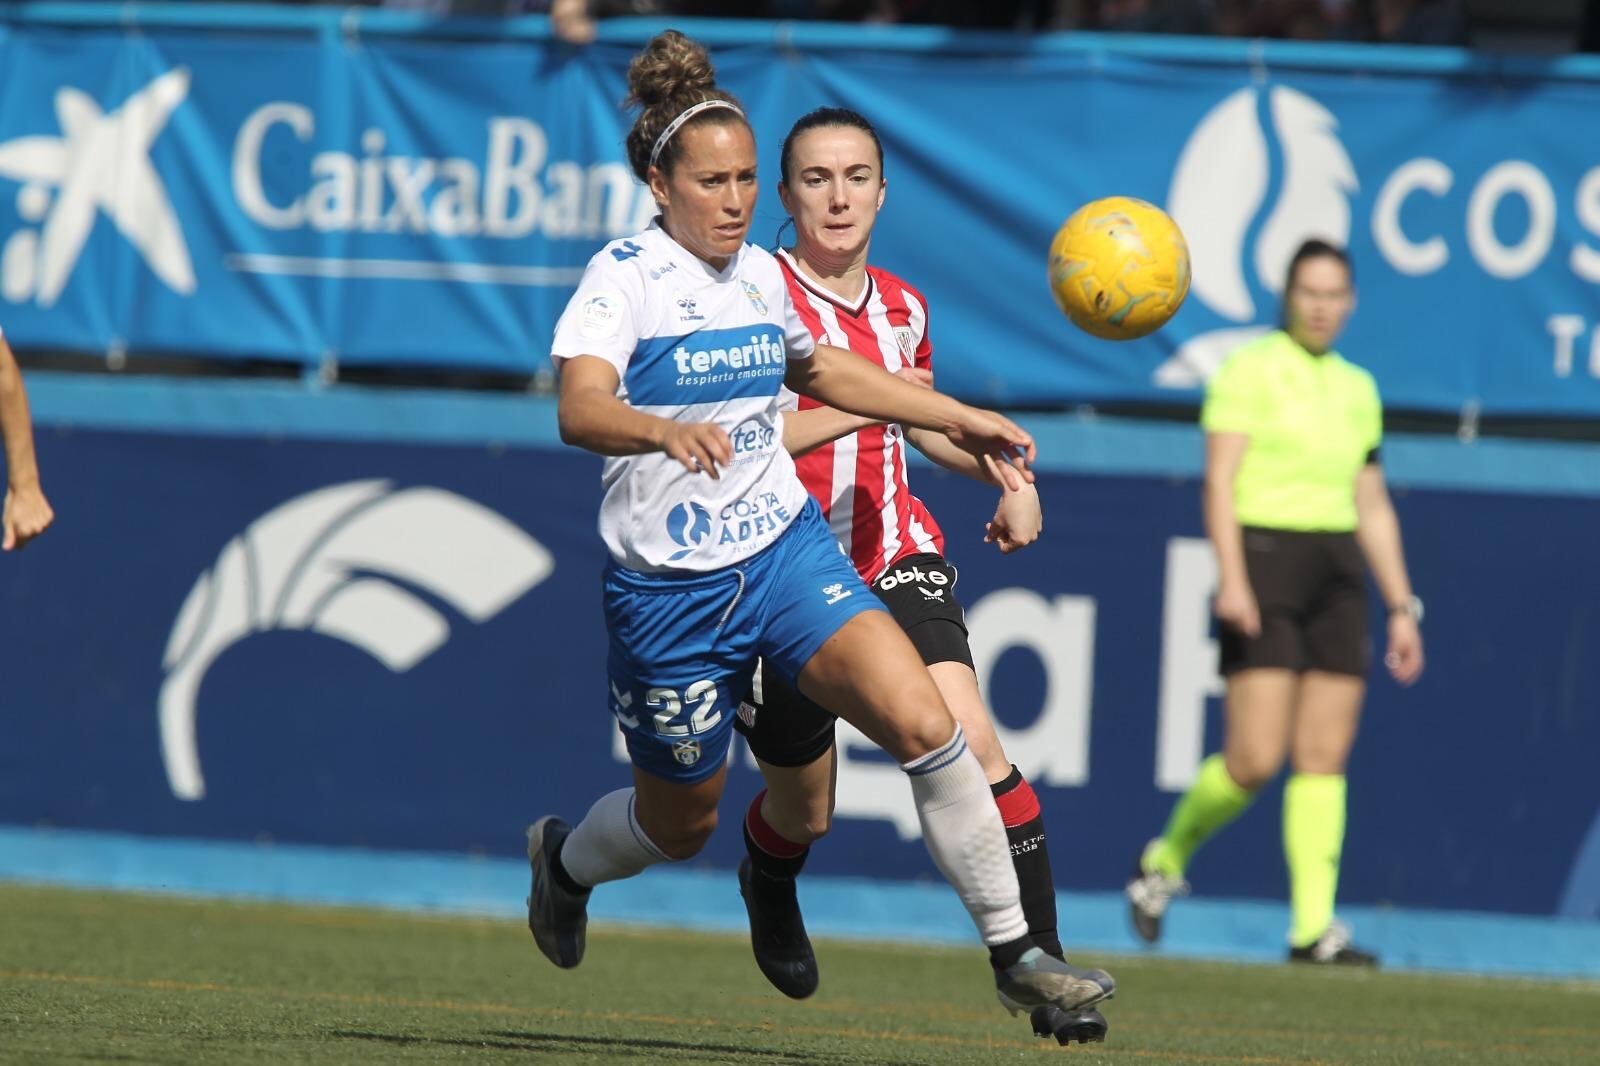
x,y
683,647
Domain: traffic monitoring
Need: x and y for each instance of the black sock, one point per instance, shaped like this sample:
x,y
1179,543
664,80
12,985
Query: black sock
x,y
776,867
1019,809
1010,953
558,873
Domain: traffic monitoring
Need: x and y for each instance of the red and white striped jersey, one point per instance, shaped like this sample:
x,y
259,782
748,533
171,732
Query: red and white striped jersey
x,y
860,479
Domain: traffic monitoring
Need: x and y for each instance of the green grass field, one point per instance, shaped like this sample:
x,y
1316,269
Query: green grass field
x,y
90,977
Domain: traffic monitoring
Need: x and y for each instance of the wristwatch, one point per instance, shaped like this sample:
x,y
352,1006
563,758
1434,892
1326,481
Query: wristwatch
x,y
1412,606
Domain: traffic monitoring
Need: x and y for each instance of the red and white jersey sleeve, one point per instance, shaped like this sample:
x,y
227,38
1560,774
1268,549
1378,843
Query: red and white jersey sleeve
x,y
860,480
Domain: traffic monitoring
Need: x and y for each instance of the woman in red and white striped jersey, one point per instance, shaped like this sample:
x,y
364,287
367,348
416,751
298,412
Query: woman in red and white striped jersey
x,y
833,186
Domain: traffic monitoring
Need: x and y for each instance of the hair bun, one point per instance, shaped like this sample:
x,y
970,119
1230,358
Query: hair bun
x,y
672,67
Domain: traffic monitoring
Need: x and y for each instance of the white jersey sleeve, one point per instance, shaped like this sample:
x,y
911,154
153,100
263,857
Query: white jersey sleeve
x,y
602,318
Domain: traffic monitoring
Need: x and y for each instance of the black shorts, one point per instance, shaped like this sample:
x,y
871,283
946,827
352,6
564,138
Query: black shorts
x,y
1312,592
785,728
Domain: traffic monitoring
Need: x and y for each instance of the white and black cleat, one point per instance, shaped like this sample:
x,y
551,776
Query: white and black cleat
x,y
1149,892
1040,980
1333,948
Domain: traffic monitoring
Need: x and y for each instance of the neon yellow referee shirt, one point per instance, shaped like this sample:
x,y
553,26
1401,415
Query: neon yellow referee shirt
x,y
1312,420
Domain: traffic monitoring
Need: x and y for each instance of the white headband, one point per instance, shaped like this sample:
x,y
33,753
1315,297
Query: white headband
x,y
689,113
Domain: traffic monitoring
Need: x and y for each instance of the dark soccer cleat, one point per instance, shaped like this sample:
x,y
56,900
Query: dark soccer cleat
x,y
778,932
1087,1026
1333,948
557,918
1040,980
1149,891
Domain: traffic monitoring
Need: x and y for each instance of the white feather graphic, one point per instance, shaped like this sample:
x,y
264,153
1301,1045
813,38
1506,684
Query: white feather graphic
x,y
327,562
1217,189
1318,181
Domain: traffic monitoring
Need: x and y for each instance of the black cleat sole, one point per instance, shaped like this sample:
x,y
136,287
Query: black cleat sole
x,y
1085,1026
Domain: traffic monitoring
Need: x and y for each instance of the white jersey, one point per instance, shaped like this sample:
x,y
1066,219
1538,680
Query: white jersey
x,y
693,345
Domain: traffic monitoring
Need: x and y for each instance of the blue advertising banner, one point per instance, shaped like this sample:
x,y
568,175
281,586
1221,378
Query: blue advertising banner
x,y
329,186
401,646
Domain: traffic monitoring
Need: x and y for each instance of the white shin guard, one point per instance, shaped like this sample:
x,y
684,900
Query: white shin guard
x,y
964,833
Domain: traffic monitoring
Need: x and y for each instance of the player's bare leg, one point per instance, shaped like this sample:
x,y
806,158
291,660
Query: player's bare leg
x,y
1260,712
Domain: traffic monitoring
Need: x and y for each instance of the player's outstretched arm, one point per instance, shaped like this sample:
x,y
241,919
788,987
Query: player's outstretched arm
x,y
591,417
26,512
808,430
844,380
937,447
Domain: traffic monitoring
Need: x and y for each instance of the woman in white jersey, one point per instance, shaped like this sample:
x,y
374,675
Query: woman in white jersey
x,y
671,354
832,184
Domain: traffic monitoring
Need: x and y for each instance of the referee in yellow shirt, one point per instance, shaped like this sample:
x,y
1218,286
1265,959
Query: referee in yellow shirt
x,y
1294,498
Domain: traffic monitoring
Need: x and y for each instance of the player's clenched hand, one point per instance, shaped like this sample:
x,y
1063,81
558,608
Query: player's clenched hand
x,y
27,514
1404,658
916,376
1236,606
1017,522
987,433
699,446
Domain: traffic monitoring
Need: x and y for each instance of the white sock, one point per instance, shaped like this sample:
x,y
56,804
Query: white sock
x,y
609,845
962,828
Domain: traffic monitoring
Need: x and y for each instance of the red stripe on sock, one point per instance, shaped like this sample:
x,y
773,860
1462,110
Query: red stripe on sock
x,y
1019,806
769,839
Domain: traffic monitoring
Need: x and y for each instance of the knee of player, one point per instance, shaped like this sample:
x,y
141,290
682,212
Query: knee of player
x,y
817,823
800,820
1252,772
685,839
916,729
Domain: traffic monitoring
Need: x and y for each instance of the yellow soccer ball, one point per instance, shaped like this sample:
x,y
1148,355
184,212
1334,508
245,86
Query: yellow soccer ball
x,y
1119,268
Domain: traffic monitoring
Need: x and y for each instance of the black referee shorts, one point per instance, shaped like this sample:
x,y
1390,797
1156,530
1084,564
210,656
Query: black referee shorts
x,y
785,728
1312,592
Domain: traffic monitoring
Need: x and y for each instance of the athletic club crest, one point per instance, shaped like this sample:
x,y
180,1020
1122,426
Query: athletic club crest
x,y
908,347
756,299
686,752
